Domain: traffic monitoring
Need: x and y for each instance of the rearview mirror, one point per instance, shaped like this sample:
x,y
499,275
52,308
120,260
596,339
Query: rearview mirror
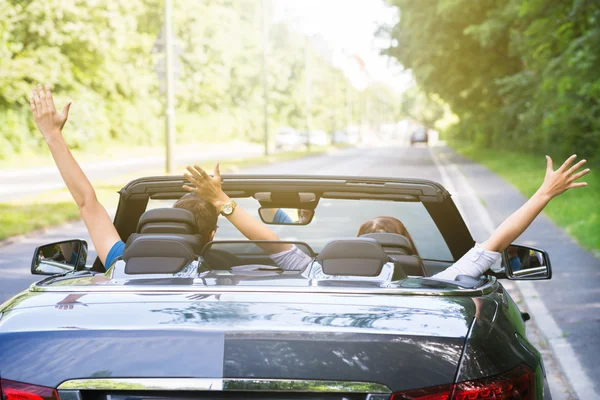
x,y
286,216
526,263
59,258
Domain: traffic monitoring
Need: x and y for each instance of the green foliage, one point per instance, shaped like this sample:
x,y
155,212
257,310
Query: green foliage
x,y
84,51
423,107
511,70
99,54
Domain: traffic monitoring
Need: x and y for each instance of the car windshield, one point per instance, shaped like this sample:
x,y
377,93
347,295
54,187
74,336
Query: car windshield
x,y
341,218
318,247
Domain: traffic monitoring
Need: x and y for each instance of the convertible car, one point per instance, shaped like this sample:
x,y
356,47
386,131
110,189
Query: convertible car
x,y
179,318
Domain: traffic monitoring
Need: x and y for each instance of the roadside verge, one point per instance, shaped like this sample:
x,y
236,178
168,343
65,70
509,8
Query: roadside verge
x,y
566,375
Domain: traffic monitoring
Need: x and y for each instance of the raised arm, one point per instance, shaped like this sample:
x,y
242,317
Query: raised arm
x,y
555,183
94,215
210,190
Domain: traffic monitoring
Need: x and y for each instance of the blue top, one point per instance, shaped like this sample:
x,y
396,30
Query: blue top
x,y
282,218
115,252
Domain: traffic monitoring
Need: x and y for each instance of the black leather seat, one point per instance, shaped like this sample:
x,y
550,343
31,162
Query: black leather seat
x,y
157,254
400,249
177,221
355,257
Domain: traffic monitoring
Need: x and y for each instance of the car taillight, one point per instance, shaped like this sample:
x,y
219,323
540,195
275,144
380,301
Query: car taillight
x,y
517,384
10,390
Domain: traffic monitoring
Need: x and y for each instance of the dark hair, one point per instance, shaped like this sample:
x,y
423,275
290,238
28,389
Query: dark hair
x,y
385,225
205,214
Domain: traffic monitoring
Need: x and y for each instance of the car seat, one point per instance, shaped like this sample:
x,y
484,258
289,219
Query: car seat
x,y
400,250
175,221
157,254
358,257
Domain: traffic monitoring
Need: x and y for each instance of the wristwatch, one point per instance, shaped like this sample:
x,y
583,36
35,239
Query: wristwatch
x,y
228,208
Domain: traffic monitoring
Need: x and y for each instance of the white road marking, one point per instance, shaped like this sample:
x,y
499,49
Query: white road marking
x,y
562,350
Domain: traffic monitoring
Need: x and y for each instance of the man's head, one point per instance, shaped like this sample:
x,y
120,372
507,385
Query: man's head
x,y
204,214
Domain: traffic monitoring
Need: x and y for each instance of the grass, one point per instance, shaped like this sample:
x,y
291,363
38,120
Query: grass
x,y
18,219
577,211
48,209
55,207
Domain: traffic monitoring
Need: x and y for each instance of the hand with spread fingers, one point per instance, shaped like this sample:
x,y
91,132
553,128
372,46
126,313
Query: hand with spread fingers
x,y
206,187
209,189
563,179
46,118
555,183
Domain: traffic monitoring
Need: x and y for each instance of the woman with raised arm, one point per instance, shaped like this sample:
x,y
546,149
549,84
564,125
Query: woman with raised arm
x,y
103,233
474,263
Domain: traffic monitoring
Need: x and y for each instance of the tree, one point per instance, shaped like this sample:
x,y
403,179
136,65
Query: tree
x,y
511,70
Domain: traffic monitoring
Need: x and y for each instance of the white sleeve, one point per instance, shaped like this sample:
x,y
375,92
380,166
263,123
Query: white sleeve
x,y
293,259
474,263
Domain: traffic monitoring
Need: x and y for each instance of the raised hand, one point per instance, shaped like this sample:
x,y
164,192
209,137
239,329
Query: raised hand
x,y
206,187
559,181
555,183
46,118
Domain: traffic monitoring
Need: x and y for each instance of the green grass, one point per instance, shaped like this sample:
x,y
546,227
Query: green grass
x,y
577,210
55,207
18,219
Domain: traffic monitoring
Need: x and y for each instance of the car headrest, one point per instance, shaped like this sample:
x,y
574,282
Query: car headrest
x,y
391,240
353,257
157,254
167,220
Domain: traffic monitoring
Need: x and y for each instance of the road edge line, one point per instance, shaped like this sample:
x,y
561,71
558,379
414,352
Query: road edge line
x,y
570,366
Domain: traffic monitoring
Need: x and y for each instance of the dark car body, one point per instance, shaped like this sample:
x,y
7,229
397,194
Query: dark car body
x,y
219,335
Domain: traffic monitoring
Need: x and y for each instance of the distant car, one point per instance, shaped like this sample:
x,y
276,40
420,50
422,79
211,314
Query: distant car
x,y
177,318
318,138
419,135
288,138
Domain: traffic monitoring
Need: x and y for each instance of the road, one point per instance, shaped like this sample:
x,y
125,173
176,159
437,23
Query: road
x,y
570,301
47,178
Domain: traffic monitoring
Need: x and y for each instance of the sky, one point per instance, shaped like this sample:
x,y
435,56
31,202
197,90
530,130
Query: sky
x,y
348,27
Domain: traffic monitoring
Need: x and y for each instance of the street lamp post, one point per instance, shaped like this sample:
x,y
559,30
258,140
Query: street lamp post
x,y
170,107
308,92
265,40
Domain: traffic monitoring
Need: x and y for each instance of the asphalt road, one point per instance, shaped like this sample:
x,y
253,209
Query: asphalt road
x,y
572,297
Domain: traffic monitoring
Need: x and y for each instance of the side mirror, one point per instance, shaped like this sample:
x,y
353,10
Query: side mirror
x,y
286,216
59,258
526,263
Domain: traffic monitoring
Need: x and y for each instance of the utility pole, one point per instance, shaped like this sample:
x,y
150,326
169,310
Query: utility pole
x,y
307,91
335,108
170,110
265,40
348,105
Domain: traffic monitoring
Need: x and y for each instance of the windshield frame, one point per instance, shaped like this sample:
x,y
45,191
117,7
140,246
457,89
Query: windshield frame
x,y
134,198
